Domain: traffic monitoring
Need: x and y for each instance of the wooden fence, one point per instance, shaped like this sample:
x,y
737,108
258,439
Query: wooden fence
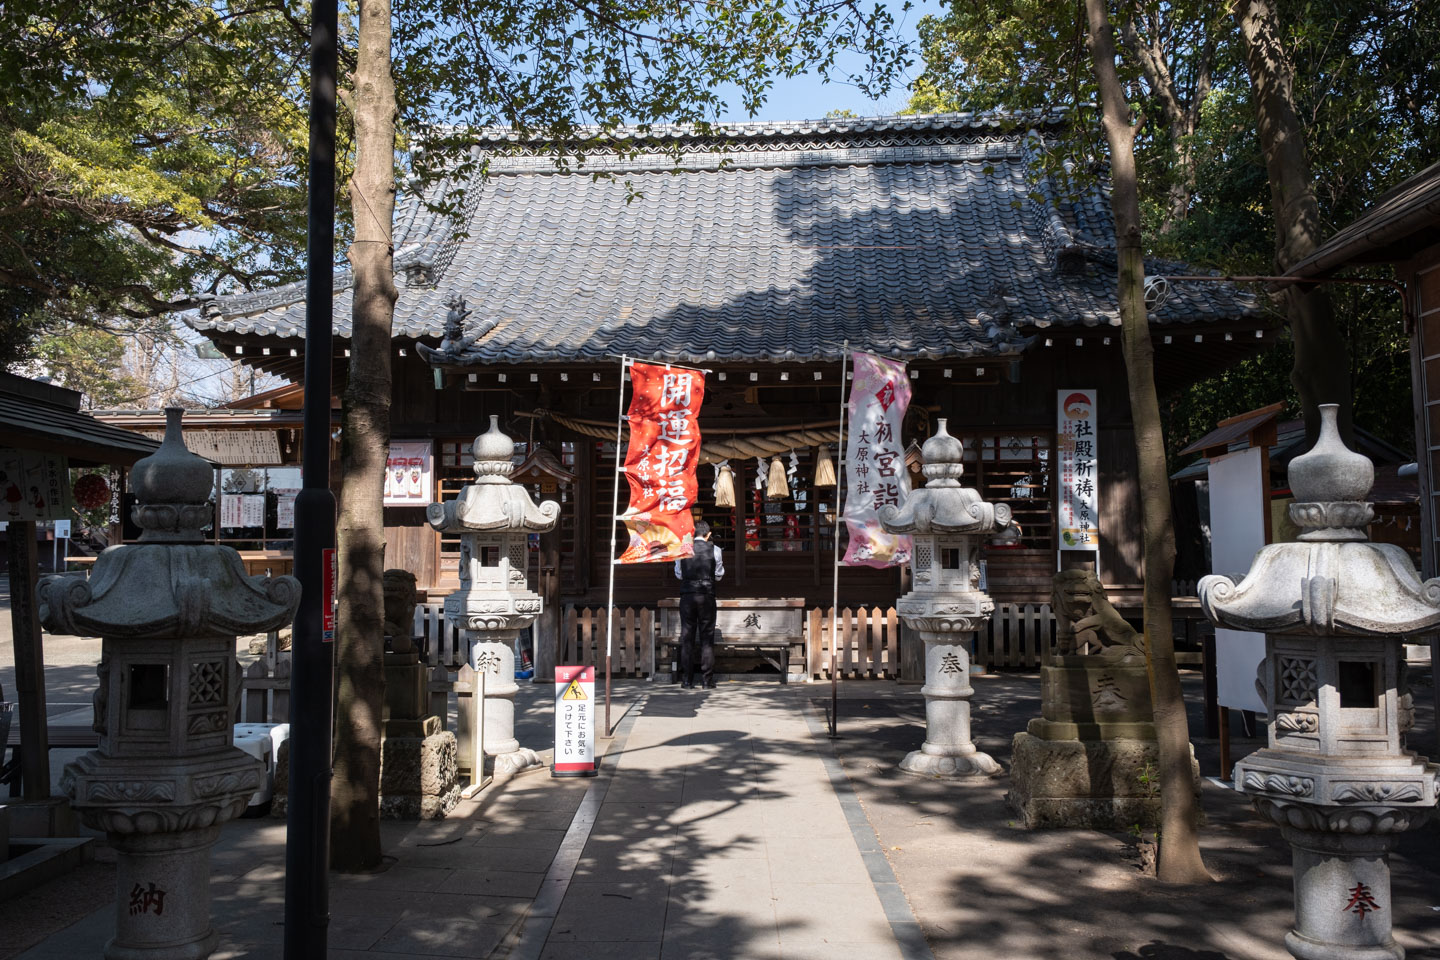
x,y
632,653
442,639
1015,637
869,646
265,693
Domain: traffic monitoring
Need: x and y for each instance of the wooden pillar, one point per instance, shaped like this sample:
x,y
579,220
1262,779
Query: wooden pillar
x,y
29,660
547,625
912,647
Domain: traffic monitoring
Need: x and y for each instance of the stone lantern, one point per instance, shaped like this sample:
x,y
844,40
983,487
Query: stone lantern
x,y
166,774
493,517
1335,609
948,523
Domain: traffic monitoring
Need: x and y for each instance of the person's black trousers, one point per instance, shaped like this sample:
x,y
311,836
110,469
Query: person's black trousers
x,y
697,628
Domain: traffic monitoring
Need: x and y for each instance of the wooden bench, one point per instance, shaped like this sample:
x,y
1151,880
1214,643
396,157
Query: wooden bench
x,y
58,738
766,628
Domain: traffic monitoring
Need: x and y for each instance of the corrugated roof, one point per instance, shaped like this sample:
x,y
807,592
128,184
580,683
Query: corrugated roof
x,y
911,236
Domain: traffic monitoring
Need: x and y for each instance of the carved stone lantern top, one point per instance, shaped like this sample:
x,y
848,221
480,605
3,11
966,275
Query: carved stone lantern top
x,y
1333,580
171,584
493,503
943,507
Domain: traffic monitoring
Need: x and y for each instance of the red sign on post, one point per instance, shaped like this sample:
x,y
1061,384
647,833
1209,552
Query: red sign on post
x,y
328,596
660,462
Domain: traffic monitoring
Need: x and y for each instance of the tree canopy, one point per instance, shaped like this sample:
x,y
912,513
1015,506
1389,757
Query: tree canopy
x,y
150,153
1366,87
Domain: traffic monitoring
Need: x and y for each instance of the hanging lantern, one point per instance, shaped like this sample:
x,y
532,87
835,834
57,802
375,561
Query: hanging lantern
x,y
724,484
824,467
777,488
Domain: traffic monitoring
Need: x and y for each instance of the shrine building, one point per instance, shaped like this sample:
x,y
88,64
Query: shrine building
x,y
758,252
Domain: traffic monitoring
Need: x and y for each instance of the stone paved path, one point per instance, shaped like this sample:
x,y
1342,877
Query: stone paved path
x,y
714,832
721,836
724,827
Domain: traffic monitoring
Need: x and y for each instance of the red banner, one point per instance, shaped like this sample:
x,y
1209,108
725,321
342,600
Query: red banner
x,y
660,463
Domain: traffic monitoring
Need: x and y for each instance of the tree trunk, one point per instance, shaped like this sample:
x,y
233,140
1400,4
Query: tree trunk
x,y
1179,860
1322,364
360,679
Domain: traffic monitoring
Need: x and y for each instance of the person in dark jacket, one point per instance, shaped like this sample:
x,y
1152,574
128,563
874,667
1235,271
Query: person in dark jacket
x,y
698,576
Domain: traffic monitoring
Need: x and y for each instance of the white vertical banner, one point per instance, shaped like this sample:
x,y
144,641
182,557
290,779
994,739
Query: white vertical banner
x,y
1078,440
1237,532
875,474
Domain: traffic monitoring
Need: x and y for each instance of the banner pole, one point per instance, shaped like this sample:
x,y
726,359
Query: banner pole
x,y
614,519
835,596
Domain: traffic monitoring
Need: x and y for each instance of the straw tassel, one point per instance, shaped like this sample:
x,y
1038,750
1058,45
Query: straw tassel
x,y
724,484
824,468
777,488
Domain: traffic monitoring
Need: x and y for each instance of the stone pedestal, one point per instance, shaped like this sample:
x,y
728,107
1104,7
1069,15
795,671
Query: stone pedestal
x,y
1090,759
948,750
162,911
1334,774
419,774
496,659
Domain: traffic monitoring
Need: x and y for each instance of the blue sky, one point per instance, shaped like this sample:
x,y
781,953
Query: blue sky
x,y
808,97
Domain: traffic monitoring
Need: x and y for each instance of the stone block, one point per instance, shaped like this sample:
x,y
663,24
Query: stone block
x,y
1089,691
1101,784
51,817
406,696
419,777
281,795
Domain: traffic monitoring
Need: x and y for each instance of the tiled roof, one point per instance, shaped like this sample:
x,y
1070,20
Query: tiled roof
x,y
910,236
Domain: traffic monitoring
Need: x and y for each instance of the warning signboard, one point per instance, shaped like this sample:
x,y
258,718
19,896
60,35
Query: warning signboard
x,y
574,722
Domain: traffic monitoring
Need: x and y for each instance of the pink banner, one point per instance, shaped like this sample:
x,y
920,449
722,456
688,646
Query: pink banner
x,y
875,473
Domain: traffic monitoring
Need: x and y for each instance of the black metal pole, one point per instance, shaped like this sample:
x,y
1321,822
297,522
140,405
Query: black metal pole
x,y
307,846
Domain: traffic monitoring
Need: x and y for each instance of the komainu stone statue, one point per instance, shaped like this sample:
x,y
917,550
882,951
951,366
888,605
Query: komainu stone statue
x,y
1078,597
1090,759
